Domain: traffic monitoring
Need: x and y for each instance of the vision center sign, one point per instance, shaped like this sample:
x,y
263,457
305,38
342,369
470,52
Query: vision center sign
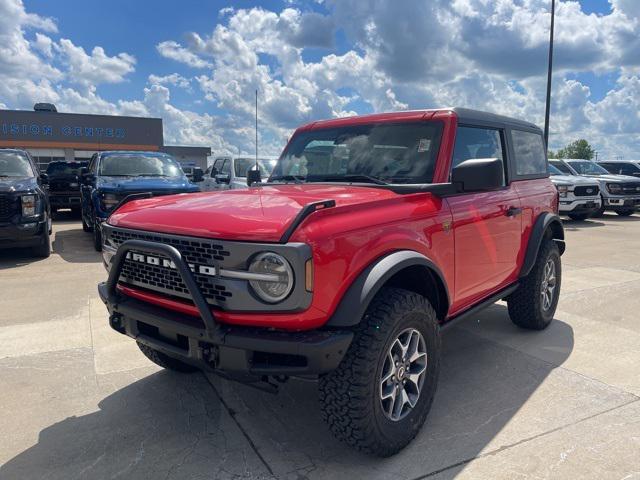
x,y
32,129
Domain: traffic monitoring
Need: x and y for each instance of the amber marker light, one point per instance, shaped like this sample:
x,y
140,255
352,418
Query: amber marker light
x,y
308,275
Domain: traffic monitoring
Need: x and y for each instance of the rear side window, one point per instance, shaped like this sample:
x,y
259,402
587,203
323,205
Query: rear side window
x,y
529,153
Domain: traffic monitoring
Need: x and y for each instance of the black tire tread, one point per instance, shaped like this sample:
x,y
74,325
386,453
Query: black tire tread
x,y
345,393
522,303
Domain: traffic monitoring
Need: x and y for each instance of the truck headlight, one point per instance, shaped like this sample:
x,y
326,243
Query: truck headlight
x,y
614,188
109,200
562,190
276,280
28,205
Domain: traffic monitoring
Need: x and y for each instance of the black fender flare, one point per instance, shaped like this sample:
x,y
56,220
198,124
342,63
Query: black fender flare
x,y
545,222
355,301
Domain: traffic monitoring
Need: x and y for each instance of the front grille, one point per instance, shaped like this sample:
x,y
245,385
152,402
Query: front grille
x,y
631,188
168,280
586,191
8,207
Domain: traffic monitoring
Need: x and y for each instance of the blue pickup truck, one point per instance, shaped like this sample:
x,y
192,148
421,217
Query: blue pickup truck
x,y
114,175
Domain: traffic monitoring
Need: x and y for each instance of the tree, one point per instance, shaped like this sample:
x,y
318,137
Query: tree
x,y
578,149
552,154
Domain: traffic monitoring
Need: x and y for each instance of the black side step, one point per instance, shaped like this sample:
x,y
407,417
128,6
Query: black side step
x,y
479,307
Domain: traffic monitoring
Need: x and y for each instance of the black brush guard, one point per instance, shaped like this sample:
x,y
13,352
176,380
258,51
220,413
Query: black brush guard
x,y
222,348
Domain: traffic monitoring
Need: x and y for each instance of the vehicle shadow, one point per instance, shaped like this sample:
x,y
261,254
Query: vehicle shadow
x,y
75,246
17,257
574,225
484,382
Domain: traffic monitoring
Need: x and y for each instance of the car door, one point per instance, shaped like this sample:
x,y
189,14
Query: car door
x,y
209,182
486,225
223,179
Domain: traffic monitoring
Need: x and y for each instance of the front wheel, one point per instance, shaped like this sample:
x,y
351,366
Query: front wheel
x,y
97,237
85,226
379,396
43,250
625,212
534,303
600,212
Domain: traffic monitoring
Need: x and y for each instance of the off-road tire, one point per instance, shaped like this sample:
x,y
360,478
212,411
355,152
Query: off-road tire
x,y
44,249
626,212
349,395
578,216
165,361
525,304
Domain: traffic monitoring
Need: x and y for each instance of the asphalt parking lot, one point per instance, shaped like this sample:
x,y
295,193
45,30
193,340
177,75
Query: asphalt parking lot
x,y
78,400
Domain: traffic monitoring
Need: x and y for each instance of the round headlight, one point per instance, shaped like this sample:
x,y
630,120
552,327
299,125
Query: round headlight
x,y
276,275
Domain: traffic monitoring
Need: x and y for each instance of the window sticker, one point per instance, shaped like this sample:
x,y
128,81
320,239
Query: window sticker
x,y
424,144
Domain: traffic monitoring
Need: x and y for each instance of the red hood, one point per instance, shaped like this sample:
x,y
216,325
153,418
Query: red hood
x,y
256,214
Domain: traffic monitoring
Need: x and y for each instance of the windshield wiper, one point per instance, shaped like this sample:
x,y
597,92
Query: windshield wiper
x,y
350,177
288,178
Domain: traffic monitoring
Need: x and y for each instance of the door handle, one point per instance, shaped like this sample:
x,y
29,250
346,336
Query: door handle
x,y
513,211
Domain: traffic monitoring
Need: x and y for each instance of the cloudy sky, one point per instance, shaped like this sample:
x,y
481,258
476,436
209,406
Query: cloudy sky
x,y
197,63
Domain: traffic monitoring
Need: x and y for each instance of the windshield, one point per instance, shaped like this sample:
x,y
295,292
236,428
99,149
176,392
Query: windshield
x,y
586,167
64,168
15,164
242,166
376,153
137,165
554,171
562,167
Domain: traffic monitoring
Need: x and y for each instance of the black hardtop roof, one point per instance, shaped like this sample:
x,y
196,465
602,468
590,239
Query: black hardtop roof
x,y
471,116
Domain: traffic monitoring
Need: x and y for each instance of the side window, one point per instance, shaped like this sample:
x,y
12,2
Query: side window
x,y
628,169
92,164
226,167
475,142
529,153
217,166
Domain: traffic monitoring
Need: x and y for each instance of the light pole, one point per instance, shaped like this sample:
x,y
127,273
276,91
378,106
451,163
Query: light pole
x,y
548,107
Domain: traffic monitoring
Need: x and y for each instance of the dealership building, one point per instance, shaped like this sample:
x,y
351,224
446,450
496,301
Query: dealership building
x,y
49,135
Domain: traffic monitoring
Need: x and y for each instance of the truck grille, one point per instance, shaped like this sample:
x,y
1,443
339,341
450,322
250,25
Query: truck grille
x,y
8,207
585,191
168,280
631,188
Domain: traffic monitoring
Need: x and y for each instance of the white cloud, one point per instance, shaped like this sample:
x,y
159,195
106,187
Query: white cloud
x,y
94,68
175,51
174,79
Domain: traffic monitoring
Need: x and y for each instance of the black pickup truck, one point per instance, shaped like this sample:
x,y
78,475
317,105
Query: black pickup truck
x,y
64,185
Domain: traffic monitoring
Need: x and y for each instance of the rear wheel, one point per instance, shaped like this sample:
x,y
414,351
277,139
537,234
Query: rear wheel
x,y
165,361
534,303
578,216
379,396
625,212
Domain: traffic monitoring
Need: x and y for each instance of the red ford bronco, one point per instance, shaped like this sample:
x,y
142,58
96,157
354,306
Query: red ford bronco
x,y
372,234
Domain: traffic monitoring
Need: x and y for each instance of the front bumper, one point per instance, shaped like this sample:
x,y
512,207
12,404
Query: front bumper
x,y
64,200
206,343
622,202
17,235
583,205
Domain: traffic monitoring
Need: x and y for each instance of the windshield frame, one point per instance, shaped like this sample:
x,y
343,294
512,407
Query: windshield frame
x,y
360,178
164,156
28,161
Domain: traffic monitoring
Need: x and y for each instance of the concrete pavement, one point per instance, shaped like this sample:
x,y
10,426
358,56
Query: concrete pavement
x,y
80,401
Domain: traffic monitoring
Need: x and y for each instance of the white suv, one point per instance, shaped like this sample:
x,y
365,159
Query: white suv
x,y
579,196
230,172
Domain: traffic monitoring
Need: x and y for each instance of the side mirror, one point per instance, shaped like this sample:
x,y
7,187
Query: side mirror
x,y
85,176
223,178
44,179
198,175
253,176
479,174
